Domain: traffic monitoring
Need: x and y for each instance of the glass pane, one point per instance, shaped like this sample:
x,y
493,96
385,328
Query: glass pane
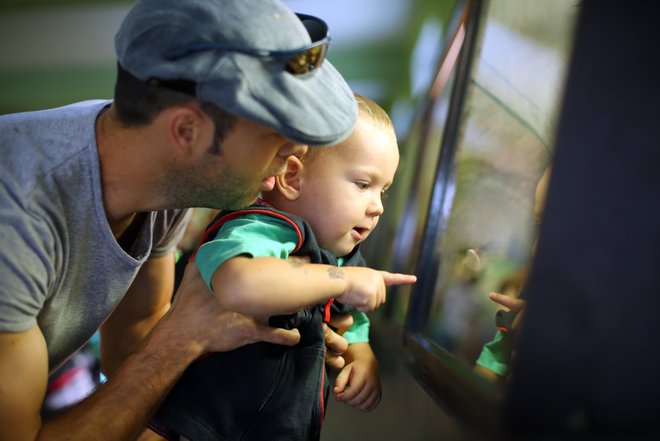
x,y
407,202
504,146
416,205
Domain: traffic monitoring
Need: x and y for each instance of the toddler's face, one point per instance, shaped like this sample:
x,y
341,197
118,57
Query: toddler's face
x,y
343,188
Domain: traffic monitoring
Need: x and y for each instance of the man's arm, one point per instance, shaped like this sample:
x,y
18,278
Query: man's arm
x,y
120,408
23,380
117,411
146,301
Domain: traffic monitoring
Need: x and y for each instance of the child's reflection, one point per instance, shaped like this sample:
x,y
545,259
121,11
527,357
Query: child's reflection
x,y
496,356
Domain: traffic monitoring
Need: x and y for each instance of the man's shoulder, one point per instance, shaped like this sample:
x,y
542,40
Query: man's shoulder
x,y
37,145
78,108
44,130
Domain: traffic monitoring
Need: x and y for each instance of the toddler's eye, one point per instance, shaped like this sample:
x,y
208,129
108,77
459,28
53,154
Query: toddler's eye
x,y
362,185
383,195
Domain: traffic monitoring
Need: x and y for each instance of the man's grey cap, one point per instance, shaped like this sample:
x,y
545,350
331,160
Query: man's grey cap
x,y
316,108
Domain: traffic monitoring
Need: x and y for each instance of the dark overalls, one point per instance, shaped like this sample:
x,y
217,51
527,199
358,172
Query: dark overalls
x,y
262,391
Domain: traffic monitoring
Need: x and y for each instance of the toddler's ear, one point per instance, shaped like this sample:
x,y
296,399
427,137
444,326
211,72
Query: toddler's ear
x,y
289,183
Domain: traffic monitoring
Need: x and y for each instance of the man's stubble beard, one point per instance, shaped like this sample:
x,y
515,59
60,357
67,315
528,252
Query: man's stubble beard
x,y
225,190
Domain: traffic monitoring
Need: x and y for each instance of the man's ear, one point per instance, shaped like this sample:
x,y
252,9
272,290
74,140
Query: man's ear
x,y
289,183
187,127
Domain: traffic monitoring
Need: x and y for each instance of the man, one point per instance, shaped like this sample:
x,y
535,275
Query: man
x,y
211,98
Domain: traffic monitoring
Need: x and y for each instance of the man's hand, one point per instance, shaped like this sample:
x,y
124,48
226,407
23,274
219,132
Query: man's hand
x,y
335,344
199,317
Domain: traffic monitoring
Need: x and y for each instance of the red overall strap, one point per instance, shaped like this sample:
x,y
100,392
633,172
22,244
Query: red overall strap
x,y
322,395
233,215
326,310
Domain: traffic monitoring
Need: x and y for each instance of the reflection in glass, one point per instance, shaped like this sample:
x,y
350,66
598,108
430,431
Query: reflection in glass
x,y
506,132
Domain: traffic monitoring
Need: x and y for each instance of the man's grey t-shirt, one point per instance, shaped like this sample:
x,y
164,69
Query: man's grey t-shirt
x,y
60,265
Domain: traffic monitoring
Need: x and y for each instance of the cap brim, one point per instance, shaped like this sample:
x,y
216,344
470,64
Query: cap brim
x,y
316,109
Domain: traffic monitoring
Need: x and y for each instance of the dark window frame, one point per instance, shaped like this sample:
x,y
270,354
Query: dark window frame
x,y
449,381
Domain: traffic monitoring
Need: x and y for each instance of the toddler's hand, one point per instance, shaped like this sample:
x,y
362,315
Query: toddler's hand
x,y
365,287
358,385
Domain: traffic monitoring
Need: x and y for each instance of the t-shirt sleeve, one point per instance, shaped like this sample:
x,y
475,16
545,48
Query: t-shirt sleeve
x,y
169,228
359,331
495,355
254,234
27,265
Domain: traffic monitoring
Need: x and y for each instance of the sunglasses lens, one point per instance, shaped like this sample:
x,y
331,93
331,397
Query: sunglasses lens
x,y
307,60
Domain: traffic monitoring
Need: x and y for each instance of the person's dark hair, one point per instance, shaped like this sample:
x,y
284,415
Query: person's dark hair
x,y
138,102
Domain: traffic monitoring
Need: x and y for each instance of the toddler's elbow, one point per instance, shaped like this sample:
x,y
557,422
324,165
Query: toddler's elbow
x,y
231,299
230,289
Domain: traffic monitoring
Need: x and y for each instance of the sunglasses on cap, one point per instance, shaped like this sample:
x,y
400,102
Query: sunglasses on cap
x,y
296,61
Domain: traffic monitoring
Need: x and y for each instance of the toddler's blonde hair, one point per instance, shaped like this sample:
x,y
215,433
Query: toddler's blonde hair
x,y
366,108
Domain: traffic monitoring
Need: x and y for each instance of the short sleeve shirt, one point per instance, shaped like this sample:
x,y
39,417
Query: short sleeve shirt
x,y
60,265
